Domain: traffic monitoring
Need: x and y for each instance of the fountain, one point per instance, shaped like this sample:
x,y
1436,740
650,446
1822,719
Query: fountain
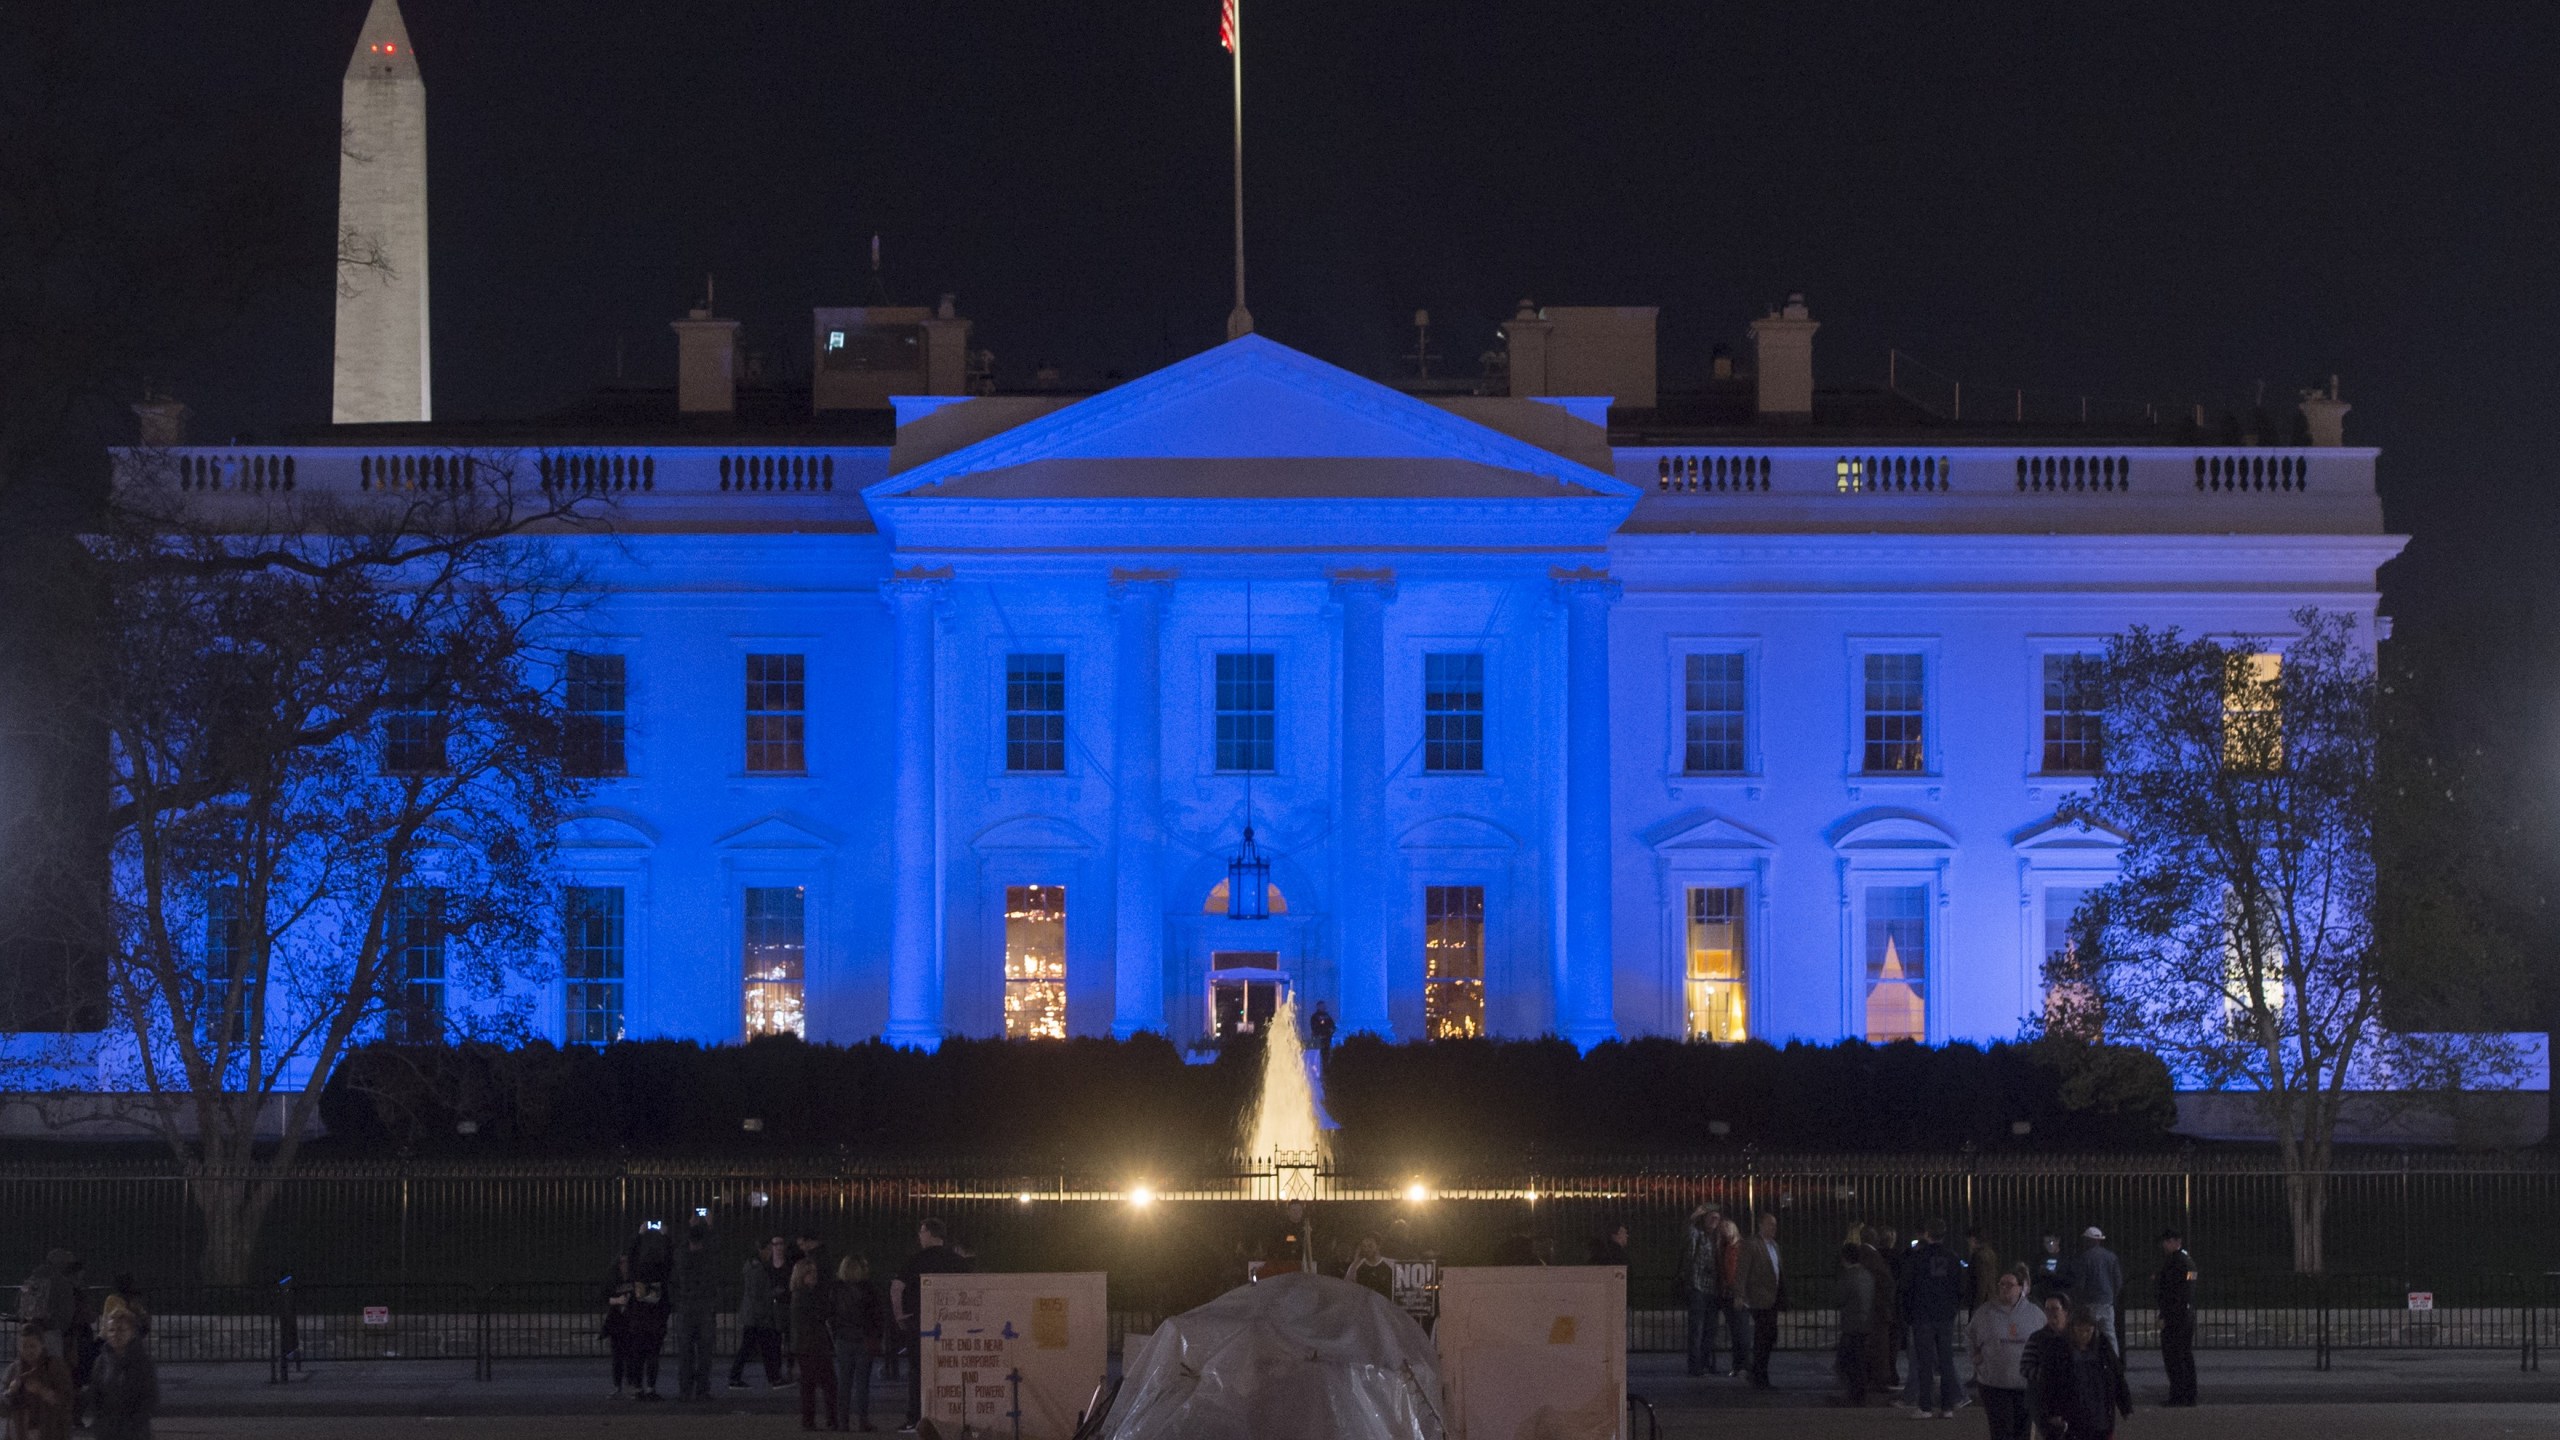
x,y
1285,1132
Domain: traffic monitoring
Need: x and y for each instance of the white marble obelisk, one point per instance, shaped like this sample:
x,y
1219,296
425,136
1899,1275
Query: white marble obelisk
x,y
382,371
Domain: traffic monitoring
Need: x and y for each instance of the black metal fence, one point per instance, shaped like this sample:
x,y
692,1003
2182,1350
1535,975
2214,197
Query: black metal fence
x,y
2474,1230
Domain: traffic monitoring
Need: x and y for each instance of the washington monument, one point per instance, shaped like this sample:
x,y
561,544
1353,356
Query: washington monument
x,y
382,370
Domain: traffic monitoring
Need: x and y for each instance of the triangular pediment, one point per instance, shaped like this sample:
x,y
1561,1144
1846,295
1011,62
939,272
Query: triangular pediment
x,y
1248,419
1696,833
778,832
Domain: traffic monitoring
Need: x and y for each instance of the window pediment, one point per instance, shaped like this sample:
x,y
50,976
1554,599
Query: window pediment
x,y
780,831
1890,830
1034,832
1707,834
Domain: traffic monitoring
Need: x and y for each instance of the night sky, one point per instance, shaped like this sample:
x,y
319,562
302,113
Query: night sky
x,y
2166,201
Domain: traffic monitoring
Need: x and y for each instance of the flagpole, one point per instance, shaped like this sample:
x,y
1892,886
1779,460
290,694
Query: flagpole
x,y
1239,320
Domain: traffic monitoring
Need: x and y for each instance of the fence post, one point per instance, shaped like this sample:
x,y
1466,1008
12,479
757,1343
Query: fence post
x,y
2320,1342
481,1368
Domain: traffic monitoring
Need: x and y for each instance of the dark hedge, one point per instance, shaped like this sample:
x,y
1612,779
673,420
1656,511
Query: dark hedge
x,y
1453,1105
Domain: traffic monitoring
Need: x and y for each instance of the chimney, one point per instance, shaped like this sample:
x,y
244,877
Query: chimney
x,y
1782,342
164,421
1527,337
2325,414
946,350
706,363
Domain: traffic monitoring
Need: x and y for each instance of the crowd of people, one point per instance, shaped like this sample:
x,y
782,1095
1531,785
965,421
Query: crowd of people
x,y
2041,1337
79,1366
805,1317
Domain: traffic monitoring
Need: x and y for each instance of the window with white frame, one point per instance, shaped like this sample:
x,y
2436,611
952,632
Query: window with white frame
x,y
1896,694
1897,963
592,964
1247,705
1712,698
2070,716
415,1015
1453,713
1718,964
1453,961
413,721
1035,714
594,695
1035,962
2253,713
777,957
233,1009
777,714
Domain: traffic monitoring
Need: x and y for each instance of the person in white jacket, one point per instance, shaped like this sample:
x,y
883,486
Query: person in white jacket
x,y
1998,1338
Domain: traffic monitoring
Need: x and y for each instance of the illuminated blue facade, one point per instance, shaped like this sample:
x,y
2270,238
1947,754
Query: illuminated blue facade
x,y
1750,735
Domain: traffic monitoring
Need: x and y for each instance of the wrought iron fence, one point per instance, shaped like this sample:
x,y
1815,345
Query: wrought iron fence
x,y
2398,1222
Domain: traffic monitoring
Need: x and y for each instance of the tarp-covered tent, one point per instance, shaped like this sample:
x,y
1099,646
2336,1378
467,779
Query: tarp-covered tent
x,y
1296,1357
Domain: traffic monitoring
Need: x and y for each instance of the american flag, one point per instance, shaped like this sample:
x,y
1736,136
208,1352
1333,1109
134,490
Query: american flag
x,y
1227,25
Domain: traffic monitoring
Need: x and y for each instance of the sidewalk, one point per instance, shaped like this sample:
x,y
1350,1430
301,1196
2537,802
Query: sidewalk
x,y
2394,1382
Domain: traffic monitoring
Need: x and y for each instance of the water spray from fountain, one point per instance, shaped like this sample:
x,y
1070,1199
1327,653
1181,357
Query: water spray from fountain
x,y
1283,1131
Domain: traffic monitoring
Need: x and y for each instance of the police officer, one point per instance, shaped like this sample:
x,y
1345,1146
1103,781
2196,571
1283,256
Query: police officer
x,y
2177,1297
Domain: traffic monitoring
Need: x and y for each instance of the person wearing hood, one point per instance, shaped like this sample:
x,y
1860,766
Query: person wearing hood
x,y
2080,1387
1997,1339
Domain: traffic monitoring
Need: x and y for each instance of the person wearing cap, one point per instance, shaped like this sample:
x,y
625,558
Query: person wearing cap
x,y
2176,1294
2101,1280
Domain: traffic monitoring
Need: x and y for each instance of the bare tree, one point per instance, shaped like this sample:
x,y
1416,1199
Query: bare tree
x,y
335,776
140,222
2239,942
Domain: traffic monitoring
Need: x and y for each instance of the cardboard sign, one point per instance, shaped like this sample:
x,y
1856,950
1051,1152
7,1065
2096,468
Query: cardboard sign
x,y
2422,1299
377,1314
1533,1351
992,1344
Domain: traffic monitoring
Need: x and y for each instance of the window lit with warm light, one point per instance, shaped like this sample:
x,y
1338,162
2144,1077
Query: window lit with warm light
x,y
1035,962
1719,1006
777,948
2253,713
1897,963
1453,961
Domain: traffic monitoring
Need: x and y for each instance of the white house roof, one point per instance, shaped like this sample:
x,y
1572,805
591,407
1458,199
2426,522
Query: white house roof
x,y
1250,399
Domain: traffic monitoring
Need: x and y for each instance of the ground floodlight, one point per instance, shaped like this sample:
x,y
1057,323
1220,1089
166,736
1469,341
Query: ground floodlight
x,y
1140,1196
1416,1193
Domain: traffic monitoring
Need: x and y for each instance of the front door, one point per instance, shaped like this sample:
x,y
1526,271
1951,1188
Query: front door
x,y
1245,988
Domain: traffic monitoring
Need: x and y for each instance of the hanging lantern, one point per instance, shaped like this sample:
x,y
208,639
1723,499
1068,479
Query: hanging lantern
x,y
1249,882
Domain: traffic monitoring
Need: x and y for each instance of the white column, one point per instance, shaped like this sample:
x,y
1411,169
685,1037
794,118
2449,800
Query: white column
x,y
915,958
1360,801
1137,801
1586,992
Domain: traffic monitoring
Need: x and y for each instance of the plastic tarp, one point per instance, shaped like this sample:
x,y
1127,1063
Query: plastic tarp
x,y
1296,1357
